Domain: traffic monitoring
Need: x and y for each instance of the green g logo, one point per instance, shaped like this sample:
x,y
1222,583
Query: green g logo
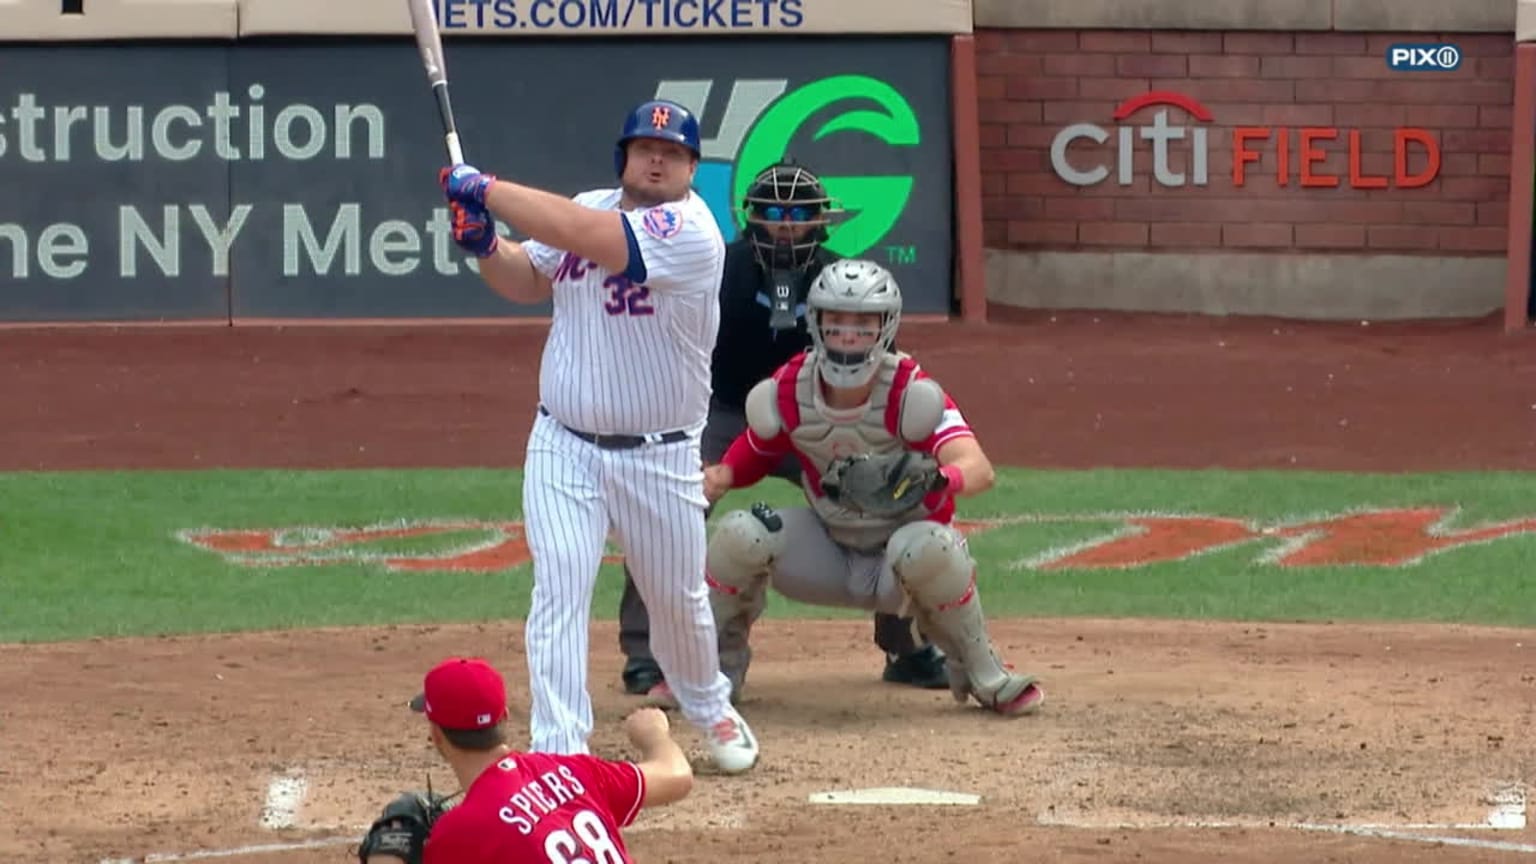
x,y
874,202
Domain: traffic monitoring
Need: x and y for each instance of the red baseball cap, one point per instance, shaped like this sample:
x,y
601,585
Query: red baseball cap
x,y
463,693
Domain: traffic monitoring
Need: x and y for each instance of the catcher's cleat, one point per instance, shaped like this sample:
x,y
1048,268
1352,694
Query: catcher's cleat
x,y
924,668
1026,701
661,696
641,677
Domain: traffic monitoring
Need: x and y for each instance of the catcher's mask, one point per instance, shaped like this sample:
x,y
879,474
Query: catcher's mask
x,y
787,212
858,286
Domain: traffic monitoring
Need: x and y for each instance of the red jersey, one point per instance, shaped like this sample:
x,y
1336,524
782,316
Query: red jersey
x,y
794,387
541,807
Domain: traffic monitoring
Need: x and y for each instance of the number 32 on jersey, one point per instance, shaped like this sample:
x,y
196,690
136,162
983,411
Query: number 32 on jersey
x,y
590,845
625,297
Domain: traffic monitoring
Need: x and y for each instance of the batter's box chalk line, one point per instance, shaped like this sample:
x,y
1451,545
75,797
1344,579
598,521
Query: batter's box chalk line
x,y
895,795
279,810
713,818
237,851
1509,804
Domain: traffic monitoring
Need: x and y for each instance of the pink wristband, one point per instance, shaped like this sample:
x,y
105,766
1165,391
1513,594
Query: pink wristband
x,y
954,480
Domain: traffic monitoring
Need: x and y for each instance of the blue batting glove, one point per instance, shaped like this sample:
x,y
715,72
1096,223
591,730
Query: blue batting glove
x,y
465,184
473,229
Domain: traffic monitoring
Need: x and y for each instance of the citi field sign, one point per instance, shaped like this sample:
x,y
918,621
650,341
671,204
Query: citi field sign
x,y
1274,154
760,120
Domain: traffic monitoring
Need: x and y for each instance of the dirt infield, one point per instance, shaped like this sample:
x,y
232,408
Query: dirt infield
x,y
1163,742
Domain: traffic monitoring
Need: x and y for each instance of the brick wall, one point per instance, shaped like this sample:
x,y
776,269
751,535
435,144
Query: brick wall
x,y
1034,83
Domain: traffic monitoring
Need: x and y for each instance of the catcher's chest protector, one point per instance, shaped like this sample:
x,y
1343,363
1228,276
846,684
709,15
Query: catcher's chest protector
x,y
822,436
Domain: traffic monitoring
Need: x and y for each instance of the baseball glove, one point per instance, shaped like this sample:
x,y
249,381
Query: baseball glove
x,y
401,830
884,485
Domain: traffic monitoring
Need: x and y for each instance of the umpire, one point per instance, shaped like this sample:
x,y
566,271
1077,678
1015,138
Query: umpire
x,y
768,270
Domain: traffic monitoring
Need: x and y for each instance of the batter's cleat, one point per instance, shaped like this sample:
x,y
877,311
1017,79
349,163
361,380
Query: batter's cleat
x,y
925,668
661,696
641,677
732,744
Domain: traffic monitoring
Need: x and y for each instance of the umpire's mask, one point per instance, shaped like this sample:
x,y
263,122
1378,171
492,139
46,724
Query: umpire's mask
x,y
787,212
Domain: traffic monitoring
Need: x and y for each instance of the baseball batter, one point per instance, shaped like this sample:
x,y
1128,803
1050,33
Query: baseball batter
x,y
521,806
885,453
624,385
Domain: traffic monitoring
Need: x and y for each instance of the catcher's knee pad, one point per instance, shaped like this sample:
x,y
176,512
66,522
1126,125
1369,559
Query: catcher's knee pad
x,y
935,569
740,558
743,549
931,562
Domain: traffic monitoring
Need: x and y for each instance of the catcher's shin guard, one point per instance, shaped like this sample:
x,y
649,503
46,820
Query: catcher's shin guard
x,y
739,561
939,577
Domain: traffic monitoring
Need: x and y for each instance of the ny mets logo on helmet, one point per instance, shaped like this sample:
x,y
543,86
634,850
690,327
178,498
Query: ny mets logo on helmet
x,y
661,115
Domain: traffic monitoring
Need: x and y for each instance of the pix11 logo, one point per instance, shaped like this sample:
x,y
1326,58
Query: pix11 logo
x,y
1425,57
763,117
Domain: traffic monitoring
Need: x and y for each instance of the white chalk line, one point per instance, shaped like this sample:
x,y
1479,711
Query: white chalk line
x,y
1394,834
285,794
1383,832
709,818
257,849
279,810
1508,814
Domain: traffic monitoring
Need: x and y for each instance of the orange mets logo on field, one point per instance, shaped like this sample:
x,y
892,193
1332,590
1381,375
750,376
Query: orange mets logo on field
x,y
1358,538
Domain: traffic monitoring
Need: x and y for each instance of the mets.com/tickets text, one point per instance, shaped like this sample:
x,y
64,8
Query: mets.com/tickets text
x,y
619,14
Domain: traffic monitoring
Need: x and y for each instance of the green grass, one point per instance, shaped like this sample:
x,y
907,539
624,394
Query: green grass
x,y
87,554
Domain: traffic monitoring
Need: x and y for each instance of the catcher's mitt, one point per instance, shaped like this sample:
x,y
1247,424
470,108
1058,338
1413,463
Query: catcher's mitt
x,y
884,485
401,830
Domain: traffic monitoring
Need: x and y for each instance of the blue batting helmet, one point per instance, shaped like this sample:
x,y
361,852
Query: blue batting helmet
x,y
662,119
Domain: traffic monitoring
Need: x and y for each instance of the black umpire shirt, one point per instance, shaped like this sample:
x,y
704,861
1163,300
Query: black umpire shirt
x,y
747,350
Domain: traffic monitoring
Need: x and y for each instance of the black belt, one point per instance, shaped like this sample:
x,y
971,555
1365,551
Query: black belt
x,y
621,442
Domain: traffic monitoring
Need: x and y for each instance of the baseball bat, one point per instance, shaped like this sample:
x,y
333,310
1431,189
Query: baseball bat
x,y
430,43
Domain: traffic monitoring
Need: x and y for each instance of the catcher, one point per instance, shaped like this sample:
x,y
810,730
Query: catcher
x,y
521,806
768,271
886,453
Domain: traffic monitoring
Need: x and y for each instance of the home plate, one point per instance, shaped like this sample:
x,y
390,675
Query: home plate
x,y
894,795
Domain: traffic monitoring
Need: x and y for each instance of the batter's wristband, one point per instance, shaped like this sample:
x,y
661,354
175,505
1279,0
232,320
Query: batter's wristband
x,y
483,187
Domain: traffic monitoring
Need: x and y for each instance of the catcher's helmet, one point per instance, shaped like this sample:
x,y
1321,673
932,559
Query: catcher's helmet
x,y
658,118
853,285
786,194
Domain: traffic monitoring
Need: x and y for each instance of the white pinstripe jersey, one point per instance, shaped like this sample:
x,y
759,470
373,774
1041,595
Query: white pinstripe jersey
x,y
626,358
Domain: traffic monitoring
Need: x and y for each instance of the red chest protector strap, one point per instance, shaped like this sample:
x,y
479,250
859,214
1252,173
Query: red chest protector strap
x,y
789,399
906,368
